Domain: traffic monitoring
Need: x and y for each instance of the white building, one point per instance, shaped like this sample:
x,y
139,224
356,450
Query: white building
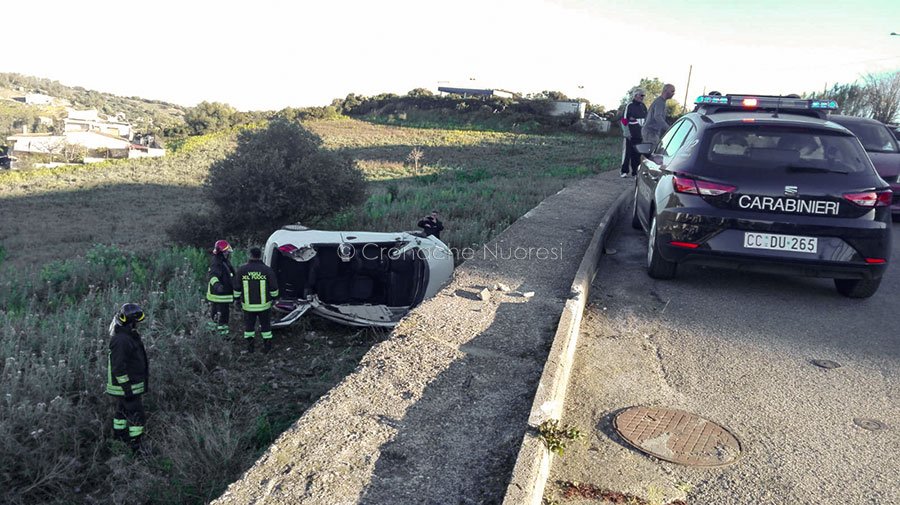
x,y
90,121
102,146
38,99
568,108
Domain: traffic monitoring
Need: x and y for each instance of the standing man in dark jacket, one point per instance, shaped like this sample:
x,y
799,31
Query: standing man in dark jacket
x,y
127,375
431,225
219,294
256,286
632,122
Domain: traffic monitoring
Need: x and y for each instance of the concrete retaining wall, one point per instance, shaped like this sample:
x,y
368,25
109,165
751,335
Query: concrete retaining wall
x,y
533,463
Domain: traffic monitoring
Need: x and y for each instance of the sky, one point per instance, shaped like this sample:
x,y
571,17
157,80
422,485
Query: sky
x,y
268,54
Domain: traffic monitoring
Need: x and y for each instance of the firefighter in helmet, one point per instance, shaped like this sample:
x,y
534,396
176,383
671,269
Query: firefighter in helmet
x,y
256,286
127,375
220,280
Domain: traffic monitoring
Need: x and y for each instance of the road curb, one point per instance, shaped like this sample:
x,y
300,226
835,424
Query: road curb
x,y
529,477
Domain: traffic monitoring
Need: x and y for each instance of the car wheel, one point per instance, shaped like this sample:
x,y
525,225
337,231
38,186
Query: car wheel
x,y
657,266
635,220
857,288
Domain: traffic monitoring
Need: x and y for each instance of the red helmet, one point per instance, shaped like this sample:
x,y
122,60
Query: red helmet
x,y
222,246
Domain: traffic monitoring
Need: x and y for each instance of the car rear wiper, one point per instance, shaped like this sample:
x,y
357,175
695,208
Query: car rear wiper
x,y
808,168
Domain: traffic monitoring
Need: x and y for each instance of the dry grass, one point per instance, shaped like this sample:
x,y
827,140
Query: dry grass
x,y
481,181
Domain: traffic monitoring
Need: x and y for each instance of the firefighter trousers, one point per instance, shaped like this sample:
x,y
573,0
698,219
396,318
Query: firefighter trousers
x,y
265,324
128,421
218,314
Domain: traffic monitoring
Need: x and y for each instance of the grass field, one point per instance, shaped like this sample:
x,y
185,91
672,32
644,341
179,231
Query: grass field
x,y
77,242
480,181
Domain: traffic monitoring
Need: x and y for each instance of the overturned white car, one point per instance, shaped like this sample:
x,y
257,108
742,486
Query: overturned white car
x,y
354,278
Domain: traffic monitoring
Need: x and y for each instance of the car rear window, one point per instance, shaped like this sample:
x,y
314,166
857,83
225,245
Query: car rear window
x,y
782,149
874,137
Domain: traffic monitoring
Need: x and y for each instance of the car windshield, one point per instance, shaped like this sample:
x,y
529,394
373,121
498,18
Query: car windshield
x,y
874,137
767,148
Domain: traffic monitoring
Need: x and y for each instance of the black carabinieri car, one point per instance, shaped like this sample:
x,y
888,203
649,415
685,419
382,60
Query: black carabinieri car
x,y
764,183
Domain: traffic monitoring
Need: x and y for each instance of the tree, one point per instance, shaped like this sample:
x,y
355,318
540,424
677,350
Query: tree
x,y
281,175
883,91
877,97
548,95
351,102
420,93
208,117
652,86
73,153
415,156
851,98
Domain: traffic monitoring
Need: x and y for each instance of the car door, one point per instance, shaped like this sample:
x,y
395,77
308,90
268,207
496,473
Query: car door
x,y
652,167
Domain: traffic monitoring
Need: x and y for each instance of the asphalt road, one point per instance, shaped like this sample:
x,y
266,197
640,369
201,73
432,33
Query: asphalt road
x,y
736,348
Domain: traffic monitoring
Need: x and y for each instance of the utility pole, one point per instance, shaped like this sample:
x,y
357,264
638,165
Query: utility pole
x,y
684,105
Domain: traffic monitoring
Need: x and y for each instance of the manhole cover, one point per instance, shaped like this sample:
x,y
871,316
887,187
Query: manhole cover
x,y
677,436
826,364
869,424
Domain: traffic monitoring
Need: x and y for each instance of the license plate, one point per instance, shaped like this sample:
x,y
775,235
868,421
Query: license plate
x,y
781,242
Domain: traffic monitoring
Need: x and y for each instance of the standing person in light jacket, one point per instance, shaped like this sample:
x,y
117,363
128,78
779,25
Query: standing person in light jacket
x,y
256,287
632,121
127,375
656,123
219,287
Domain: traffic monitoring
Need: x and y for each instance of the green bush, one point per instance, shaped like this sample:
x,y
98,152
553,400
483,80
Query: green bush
x,y
209,117
279,175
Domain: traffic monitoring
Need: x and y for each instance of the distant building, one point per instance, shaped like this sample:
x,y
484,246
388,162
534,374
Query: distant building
x,y
99,146
477,92
38,99
568,108
90,121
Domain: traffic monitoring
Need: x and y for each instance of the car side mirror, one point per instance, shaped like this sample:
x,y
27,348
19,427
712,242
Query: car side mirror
x,y
644,148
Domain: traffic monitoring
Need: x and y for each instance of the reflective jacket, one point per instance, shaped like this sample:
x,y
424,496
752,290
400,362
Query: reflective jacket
x,y
220,280
127,370
256,286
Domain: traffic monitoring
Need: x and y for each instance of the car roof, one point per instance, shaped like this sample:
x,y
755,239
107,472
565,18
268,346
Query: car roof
x,y
767,118
853,119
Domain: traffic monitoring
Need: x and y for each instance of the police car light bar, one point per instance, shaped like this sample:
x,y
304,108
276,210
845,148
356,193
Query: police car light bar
x,y
715,99
823,104
767,102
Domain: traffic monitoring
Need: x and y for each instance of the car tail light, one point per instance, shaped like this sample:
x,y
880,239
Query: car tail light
x,y
870,198
287,248
685,185
686,245
876,261
705,188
